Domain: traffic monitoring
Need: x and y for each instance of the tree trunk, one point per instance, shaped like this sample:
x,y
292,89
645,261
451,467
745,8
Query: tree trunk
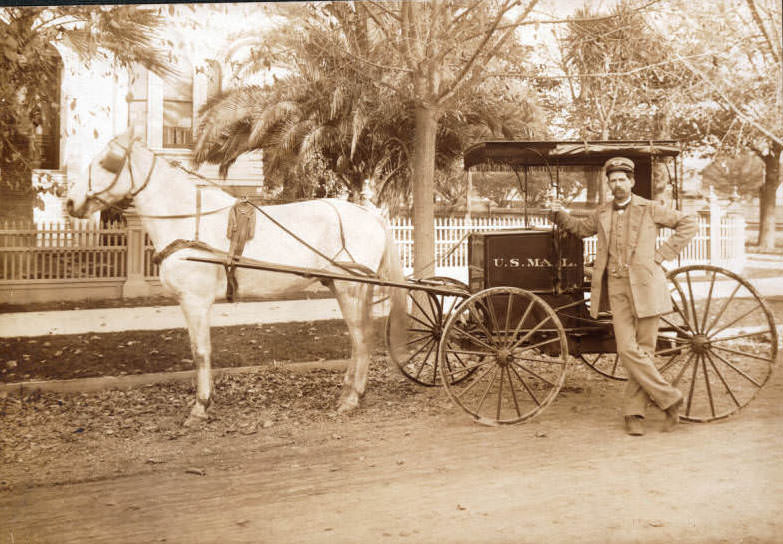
x,y
767,197
423,191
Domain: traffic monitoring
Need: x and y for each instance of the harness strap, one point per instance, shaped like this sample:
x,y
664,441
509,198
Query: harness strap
x,y
178,244
198,210
342,233
303,242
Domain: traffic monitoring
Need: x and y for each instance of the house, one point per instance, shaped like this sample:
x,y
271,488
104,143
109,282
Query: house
x,y
98,100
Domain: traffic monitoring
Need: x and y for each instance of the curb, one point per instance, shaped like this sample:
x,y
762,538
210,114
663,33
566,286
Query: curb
x,y
102,383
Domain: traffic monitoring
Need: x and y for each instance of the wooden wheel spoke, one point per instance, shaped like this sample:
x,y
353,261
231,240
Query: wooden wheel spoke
x,y
738,336
693,386
428,326
421,348
683,369
526,386
492,317
709,300
738,370
426,359
467,352
486,391
464,371
743,354
723,308
535,360
692,301
616,360
513,393
743,316
679,310
539,344
500,394
669,363
707,384
419,338
508,314
429,317
526,369
520,324
670,350
529,333
476,380
478,320
723,380
676,327
467,368
476,340
435,308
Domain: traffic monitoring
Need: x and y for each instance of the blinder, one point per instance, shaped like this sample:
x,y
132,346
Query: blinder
x,y
113,161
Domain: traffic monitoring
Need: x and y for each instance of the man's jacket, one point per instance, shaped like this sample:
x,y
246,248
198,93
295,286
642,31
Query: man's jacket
x,y
647,278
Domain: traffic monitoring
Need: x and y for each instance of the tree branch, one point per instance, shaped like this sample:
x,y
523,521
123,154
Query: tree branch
x,y
447,93
695,71
598,74
777,55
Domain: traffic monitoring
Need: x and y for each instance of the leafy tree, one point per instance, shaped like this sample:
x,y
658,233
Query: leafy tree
x,y
620,84
333,107
30,66
426,56
735,52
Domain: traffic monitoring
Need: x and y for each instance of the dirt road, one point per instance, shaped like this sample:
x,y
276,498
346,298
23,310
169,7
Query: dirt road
x,y
412,470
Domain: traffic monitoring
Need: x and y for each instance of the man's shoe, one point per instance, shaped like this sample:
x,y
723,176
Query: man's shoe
x,y
672,417
634,425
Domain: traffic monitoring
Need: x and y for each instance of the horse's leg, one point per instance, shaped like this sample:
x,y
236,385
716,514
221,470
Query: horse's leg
x,y
196,310
354,300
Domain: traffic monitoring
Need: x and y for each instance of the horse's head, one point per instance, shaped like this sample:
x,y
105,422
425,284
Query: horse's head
x,y
109,179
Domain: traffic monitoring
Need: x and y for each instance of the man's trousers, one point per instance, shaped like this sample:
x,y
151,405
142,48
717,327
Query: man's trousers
x,y
636,339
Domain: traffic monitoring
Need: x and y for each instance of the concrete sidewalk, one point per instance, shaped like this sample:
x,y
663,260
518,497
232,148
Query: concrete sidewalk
x,y
162,317
227,314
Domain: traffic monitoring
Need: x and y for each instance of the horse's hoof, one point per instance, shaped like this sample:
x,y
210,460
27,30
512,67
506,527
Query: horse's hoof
x,y
348,403
197,418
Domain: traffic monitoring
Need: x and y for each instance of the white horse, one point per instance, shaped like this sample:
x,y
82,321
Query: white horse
x,y
172,208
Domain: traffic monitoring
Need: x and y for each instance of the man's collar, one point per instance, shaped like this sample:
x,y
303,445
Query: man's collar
x,y
621,205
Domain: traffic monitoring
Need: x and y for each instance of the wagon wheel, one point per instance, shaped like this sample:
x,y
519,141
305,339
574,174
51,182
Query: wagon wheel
x,y
606,364
719,344
427,313
516,349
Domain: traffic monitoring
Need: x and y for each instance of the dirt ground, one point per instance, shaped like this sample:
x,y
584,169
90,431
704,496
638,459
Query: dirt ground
x,y
276,464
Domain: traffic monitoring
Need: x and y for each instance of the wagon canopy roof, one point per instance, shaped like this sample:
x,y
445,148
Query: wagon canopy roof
x,y
503,154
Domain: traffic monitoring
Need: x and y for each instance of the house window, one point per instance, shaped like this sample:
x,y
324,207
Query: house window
x,y
137,101
178,112
161,111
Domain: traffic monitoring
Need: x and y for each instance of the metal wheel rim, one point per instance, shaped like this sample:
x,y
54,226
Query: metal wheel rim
x,y
508,367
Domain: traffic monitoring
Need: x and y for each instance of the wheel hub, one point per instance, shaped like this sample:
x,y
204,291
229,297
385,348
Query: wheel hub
x,y
504,356
700,343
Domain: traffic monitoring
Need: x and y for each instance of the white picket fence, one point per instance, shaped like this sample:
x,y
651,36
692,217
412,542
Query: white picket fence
x,y
451,244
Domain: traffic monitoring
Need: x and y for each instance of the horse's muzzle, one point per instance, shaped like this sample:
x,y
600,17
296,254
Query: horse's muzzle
x,y
72,211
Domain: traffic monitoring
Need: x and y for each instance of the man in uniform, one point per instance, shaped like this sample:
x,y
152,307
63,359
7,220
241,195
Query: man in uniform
x,y
628,268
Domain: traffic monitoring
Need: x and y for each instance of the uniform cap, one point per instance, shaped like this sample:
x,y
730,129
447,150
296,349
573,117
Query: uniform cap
x,y
620,164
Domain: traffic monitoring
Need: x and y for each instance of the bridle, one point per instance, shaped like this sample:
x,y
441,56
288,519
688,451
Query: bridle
x,y
117,168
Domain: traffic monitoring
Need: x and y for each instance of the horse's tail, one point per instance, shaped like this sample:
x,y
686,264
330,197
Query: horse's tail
x,y
391,270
